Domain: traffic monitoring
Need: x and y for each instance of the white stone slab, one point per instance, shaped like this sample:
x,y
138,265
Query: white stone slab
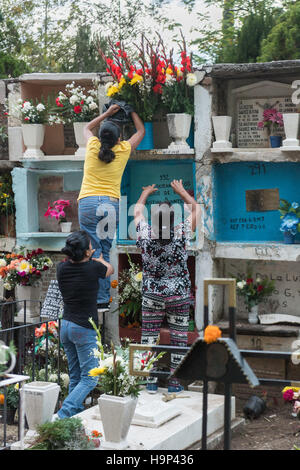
x,y
146,416
180,432
272,318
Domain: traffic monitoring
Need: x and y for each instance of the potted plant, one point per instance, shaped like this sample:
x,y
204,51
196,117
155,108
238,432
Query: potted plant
x,y
76,105
129,297
63,434
178,97
24,272
119,389
272,121
7,206
254,291
137,81
57,210
290,220
33,115
12,402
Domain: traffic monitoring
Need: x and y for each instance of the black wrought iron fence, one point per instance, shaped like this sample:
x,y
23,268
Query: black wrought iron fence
x,y
38,352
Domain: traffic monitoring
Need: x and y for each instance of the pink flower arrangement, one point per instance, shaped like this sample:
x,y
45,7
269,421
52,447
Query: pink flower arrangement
x,y
56,210
272,119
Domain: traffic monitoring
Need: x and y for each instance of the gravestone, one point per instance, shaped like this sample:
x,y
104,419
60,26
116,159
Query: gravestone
x,y
53,304
250,103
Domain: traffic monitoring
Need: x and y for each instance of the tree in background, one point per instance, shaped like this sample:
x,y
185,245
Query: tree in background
x,y
10,45
283,41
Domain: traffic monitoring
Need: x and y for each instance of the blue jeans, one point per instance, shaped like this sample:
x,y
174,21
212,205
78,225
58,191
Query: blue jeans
x,y
99,217
78,343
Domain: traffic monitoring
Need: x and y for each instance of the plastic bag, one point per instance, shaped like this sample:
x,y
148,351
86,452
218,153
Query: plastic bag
x,y
123,116
254,407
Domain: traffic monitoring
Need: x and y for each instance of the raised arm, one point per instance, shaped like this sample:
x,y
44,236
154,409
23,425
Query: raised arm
x,y
110,269
194,216
140,205
88,129
137,138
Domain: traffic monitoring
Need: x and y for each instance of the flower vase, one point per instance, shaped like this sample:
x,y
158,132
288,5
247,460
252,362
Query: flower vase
x,y
253,315
147,142
33,137
288,238
79,138
116,416
291,128
66,227
179,125
29,298
275,141
222,126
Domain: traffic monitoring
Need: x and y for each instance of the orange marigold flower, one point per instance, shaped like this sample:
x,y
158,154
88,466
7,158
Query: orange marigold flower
x,y
2,399
110,299
212,333
96,434
114,283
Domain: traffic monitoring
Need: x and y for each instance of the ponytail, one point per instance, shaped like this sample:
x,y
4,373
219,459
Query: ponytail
x,y
109,134
76,245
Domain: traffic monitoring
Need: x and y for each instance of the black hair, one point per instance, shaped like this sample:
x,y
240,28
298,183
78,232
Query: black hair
x,y
165,226
109,134
76,245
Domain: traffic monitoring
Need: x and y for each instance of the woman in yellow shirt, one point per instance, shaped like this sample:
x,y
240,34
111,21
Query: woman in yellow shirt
x,y
98,201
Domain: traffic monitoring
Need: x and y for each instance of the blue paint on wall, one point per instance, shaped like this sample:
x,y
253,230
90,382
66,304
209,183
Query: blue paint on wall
x,y
143,173
232,222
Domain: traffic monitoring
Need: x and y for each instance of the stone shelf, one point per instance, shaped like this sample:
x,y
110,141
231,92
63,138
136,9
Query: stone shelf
x,y
48,241
257,251
256,155
133,249
166,154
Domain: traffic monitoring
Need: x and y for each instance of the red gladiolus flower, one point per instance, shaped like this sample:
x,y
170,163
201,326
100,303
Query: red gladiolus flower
x,y
260,288
58,103
77,109
82,102
118,44
249,280
157,88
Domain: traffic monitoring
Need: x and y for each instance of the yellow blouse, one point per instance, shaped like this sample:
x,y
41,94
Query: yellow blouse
x,y
100,178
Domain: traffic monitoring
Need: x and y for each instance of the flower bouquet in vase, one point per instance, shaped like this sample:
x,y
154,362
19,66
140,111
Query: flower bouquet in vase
x,y
254,291
76,105
33,116
290,220
57,211
273,122
120,389
137,80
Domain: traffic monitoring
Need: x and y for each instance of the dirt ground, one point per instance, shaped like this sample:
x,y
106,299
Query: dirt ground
x,y
275,429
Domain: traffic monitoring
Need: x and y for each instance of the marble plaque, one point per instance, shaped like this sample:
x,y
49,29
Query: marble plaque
x,y
250,112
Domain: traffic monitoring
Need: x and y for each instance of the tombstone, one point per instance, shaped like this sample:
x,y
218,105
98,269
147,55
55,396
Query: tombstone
x,y
53,305
247,104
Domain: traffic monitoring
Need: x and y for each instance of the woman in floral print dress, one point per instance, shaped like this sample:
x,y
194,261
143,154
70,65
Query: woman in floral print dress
x,y
166,284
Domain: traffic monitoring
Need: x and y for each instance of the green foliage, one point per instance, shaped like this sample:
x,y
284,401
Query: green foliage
x,y
178,98
7,203
62,434
12,396
283,41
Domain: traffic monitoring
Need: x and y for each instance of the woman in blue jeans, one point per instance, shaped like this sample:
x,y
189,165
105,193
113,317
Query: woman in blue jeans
x,y
98,207
78,279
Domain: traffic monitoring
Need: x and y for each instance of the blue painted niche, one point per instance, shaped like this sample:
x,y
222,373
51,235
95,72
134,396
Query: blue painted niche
x,y
143,173
232,222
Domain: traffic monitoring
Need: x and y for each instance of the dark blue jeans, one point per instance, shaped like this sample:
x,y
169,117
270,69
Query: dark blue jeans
x,y
99,217
78,343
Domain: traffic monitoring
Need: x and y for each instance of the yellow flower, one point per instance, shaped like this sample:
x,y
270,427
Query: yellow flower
x,y
121,83
97,371
24,266
112,90
139,276
169,71
136,78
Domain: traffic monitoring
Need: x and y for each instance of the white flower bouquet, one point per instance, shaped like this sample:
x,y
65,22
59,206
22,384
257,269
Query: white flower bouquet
x,y
113,368
30,112
75,104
